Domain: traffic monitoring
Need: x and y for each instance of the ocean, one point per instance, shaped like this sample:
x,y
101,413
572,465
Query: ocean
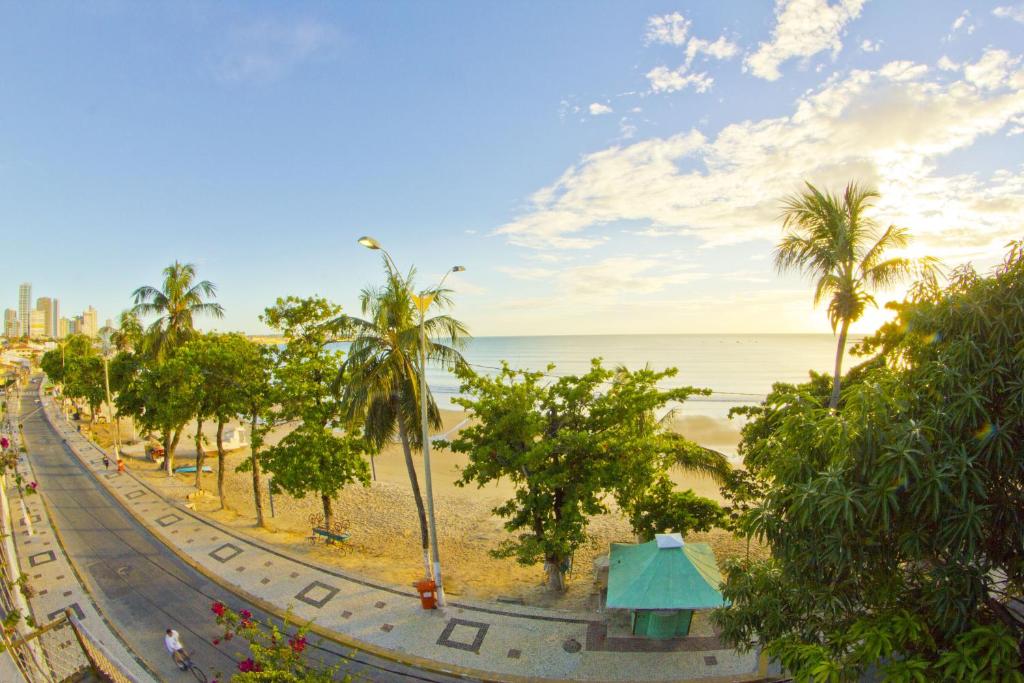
x,y
739,369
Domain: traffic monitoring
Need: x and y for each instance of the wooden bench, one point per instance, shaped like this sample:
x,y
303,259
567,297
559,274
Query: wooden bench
x,y
328,535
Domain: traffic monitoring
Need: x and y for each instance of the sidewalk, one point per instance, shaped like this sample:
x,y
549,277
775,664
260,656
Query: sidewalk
x,y
474,639
42,559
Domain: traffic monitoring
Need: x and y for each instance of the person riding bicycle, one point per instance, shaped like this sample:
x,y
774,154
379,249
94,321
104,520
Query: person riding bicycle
x,y
172,641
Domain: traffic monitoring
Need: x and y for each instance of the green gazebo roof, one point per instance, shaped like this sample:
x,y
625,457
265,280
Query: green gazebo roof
x,y
663,574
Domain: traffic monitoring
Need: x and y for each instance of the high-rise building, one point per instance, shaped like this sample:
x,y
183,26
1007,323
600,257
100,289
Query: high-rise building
x,y
44,304
24,306
56,318
63,328
89,327
11,323
37,324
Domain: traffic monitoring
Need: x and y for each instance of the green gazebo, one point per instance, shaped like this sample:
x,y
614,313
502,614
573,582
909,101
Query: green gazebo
x,y
662,582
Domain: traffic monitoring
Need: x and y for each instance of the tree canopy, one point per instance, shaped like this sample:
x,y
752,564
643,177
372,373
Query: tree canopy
x,y
567,442
897,523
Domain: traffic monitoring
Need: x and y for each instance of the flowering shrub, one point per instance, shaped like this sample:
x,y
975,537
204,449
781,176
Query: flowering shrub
x,y
272,653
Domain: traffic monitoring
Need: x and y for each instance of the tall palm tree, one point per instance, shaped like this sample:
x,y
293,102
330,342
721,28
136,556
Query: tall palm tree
x,y
829,238
379,379
177,301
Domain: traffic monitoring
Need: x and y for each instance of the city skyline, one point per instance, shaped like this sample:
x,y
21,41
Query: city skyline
x,y
596,167
43,320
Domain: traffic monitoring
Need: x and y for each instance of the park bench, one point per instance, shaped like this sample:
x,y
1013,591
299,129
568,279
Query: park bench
x,y
328,535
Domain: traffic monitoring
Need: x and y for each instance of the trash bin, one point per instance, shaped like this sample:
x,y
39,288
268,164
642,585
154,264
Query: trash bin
x,y
428,596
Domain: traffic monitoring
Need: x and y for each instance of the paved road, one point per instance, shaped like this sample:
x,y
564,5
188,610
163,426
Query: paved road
x,y
141,586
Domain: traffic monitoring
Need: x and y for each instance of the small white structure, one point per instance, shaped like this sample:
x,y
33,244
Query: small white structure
x,y
234,438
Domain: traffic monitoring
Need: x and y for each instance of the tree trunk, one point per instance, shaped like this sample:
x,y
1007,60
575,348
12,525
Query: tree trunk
x,y
414,481
167,450
257,494
556,577
326,500
200,453
373,468
837,375
220,462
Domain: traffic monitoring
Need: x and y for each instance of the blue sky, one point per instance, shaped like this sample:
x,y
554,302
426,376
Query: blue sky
x,y
598,167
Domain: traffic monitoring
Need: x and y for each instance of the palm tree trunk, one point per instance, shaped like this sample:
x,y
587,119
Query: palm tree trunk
x,y
168,434
257,494
837,376
220,462
414,481
200,453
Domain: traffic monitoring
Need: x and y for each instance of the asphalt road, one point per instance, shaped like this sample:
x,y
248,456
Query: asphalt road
x,y
142,587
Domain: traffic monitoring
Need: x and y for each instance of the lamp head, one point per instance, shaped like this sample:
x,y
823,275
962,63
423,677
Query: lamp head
x,y
458,269
369,242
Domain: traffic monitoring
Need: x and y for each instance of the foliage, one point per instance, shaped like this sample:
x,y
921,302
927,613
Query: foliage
x,y
664,510
162,396
831,239
567,443
275,653
77,366
177,301
897,524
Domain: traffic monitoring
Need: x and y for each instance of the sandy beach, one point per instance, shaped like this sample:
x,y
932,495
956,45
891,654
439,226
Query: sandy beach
x,y
381,518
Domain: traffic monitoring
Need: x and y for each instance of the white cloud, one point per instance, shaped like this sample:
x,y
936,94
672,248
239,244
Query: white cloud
x,y
526,273
1015,12
887,128
266,51
993,71
673,29
803,29
596,109
668,29
868,45
947,64
626,129
663,79
959,23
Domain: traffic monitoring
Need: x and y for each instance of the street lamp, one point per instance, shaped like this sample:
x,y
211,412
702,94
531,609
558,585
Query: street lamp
x,y
423,301
107,350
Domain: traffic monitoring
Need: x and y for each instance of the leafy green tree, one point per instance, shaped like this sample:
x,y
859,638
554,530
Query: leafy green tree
x,y
177,301
565,444
664,510
313,457
221,360
897,524
162,396
77,366
380,378
257,397
831,239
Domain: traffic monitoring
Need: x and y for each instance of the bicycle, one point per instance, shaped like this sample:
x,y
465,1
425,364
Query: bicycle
x,y
190,666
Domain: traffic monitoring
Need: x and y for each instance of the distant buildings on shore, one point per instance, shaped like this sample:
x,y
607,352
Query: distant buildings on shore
x,y
44,321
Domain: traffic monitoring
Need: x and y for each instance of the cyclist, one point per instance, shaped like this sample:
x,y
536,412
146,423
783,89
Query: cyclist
x,y
172,641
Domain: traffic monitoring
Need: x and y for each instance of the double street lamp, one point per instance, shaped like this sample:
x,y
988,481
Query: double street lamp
x,y
423,301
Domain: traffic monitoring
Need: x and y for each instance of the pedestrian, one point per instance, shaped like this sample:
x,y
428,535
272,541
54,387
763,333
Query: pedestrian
x,y
106,463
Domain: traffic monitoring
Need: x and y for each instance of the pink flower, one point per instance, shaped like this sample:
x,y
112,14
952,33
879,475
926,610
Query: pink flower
x,y
298,644
248,666
216,641
245,614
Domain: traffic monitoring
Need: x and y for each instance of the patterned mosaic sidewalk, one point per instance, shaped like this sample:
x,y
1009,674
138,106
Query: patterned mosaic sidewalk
x,y
57,587
476,639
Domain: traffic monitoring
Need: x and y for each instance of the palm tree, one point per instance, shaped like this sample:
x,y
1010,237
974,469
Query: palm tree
x,y
380,376
830,239
178,300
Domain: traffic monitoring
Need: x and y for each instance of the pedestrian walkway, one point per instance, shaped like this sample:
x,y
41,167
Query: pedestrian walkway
x,y
55,585
475,639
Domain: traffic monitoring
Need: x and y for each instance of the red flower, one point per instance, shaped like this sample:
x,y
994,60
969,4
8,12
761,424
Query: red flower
x,y
216,641
218,608
245,614
298,644
248,666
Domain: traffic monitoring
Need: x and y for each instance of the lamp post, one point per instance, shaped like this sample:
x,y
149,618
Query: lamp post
x,y
423,301
107,351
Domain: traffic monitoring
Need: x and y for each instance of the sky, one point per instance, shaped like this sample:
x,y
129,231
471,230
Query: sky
x,y
597,167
